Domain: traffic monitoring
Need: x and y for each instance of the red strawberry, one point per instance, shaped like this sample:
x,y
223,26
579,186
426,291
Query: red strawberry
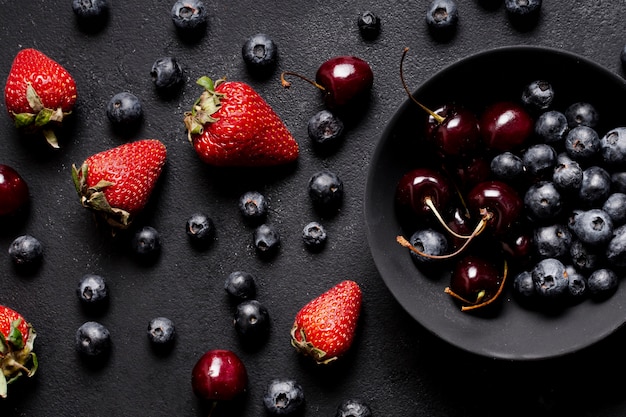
x,y
17,337
231,125
325,327
38,91
117,183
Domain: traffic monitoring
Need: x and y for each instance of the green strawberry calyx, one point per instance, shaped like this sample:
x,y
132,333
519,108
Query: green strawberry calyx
x,y
16,356
40,118
302,345
95,199
204,107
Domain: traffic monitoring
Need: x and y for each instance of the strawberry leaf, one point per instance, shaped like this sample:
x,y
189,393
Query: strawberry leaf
x,y
3,386
15,336
34,101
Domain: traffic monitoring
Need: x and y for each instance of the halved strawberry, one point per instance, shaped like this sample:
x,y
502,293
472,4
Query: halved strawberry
x,y
17,358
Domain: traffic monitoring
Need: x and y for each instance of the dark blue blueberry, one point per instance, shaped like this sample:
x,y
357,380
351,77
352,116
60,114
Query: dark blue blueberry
x,y
325,128
442,16
567,175
326,190
90,9
314,236
584,257
93,290
253,206
613,147
602,283
522,9
26,251
507,166
596,186
618,181
166,73
543,200
189,15
161,331
582,143
260,53
615,207
240,285
582,114
616,249
252,321
368,24
523,285
124,109
92,339
283,397
551,127
539,160
353,407
430,242
552,241
266,239
538,95
200,228
577,282
550,278
593,227
146,243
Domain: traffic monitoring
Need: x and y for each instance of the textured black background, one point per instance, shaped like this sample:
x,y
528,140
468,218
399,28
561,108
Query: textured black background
x,y
395,365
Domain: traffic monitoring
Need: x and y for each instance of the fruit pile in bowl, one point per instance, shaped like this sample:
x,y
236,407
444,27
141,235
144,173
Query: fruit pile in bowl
x,y
493,202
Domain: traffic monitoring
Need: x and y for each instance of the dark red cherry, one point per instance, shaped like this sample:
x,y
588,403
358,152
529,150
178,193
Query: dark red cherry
x,y
474,280
505,126
470,170
13,191
496,202
421,189
461,224
455,132
219,375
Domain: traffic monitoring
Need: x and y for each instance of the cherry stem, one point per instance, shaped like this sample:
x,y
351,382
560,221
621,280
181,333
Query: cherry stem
x,y
429,202
213,405
287,84
476,305
434,115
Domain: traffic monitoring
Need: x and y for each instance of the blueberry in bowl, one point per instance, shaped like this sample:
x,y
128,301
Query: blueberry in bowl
x,y
502,229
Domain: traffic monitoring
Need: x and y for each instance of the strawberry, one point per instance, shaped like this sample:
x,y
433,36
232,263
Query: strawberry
x,y
38,92
117,183
17,337
324,328
232,125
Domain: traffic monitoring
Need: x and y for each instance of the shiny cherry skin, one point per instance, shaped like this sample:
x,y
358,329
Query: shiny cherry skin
x,y
457,134
14,192
470,171
219,375
420,184
475,279
505,126
344,78
499,200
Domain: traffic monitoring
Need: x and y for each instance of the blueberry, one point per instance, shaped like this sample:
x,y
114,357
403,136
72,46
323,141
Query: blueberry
x,y
582,143
252,321
325,128
550,278
93,290
596,186
92,339
507,166
552,241
353,407
615,207
593,227
326,190
551,127
253,206
523,285
240,285
616,249
26,251
189,15
618,181
161,331
90,9
166,73
283,397
124,109
613,147
200,228
567,175
442,16
266,239
577,282
581,114
368,24
314,236
602,283
522,9
539,160
146,243
430,242
538,95
260,53
584,257
543,200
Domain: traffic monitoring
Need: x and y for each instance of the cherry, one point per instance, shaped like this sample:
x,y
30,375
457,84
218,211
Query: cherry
x,y
505,125
475,282
424,191
219,375
497,203
342,79
13,191
470,170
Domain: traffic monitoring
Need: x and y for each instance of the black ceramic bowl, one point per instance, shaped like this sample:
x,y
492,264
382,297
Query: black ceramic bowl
x,y
514,332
